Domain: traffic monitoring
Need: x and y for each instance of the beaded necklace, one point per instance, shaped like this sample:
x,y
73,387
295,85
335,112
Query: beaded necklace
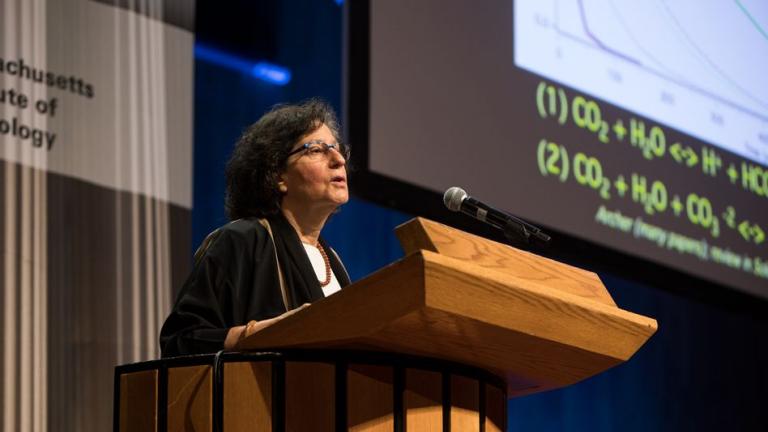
x,y
327,265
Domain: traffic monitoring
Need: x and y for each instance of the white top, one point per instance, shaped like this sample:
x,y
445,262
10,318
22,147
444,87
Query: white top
x,y
316,258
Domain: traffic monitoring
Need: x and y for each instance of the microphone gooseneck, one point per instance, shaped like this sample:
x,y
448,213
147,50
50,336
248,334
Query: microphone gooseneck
x,y
456,199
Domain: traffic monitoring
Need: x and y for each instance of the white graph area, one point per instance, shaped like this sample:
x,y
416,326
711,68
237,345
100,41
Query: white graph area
x,y
699,67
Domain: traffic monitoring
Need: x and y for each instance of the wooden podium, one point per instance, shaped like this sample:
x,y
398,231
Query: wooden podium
x,y
435,341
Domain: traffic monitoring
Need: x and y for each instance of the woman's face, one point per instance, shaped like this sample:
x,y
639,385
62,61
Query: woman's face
x,y
319,180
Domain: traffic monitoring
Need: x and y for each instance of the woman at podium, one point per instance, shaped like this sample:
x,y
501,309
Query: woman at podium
x,y
285,178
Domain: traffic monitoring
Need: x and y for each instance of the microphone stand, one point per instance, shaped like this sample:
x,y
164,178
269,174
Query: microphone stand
x,y
518,231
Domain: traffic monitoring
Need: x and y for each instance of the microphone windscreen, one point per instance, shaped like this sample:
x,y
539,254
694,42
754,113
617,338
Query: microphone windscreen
x,y
453,198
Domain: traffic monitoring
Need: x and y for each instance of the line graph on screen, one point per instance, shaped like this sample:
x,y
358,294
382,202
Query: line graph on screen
x,y
698,67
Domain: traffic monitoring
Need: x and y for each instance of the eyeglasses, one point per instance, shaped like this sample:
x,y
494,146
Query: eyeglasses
x,y
317,149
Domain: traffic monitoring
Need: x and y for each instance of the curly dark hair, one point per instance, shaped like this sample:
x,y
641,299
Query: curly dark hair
x,y
260,154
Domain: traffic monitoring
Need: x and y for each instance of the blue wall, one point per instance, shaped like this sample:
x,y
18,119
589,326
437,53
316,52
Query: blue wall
x,y
705,369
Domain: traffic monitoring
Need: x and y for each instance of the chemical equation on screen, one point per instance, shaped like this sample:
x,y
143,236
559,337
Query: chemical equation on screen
x,y
652,195
651,140
655,198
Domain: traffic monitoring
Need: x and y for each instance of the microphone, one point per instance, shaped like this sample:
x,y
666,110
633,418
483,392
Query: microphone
x,y
456,199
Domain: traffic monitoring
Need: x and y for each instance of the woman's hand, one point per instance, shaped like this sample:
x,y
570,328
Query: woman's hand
x,y
237,334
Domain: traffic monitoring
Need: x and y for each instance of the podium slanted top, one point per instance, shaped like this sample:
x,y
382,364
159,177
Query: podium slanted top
x,y
537,323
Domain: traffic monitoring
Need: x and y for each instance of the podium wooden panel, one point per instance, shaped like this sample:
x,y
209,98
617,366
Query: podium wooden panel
x,y
435,341
189,398
137,395
306,390
248,396
370,405
423,400
465,404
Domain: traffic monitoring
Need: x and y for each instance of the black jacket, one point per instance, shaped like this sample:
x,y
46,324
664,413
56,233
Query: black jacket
x,y
236,280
